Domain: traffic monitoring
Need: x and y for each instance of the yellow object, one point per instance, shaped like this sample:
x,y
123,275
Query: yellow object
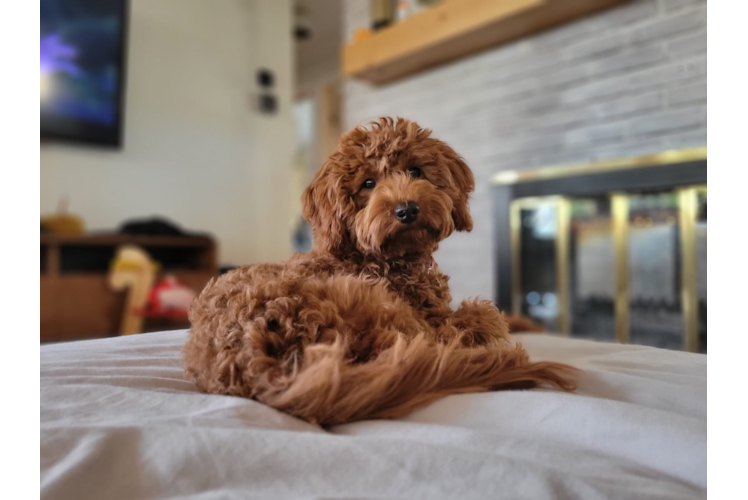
x,y
132,269
131,265
63,224
361,34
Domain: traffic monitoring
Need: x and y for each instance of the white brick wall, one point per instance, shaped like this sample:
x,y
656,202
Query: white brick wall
x,y
628,81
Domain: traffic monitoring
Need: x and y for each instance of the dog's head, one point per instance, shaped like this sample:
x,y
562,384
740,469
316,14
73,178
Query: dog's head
x,y
390,190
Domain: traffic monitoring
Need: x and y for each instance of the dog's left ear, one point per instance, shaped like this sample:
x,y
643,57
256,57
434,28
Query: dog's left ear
x,y
464,184
325,210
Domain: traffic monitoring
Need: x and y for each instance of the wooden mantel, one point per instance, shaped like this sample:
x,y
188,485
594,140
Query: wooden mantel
x,y
454,29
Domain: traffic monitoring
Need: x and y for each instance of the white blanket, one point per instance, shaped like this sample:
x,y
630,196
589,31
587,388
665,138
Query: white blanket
x,y
118,420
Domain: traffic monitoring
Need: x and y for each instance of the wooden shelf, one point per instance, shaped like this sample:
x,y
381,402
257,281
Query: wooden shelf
x,y
110,239
76,299
454,29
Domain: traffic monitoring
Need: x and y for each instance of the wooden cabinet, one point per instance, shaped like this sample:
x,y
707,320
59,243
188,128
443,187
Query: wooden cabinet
x,y
76,301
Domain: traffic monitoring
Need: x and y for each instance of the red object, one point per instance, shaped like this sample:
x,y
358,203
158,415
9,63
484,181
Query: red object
x,y
168,299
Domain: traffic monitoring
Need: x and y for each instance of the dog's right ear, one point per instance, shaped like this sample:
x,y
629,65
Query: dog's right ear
x,y
326,211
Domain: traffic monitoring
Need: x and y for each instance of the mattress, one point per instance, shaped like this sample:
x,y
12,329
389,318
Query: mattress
x,y
118,420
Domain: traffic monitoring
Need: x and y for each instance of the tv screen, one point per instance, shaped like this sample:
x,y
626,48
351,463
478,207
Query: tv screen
x,y
82,46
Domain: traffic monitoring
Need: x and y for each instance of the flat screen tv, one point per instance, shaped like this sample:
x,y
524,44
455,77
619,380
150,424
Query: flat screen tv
x,y
82,46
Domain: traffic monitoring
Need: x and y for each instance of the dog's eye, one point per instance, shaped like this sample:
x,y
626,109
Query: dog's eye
x,y
415,172
369,184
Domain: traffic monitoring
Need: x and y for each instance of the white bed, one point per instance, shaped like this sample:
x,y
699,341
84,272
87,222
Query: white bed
x,y
119,421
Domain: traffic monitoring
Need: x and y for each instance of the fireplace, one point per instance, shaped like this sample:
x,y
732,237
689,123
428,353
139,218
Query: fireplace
x,y
613,250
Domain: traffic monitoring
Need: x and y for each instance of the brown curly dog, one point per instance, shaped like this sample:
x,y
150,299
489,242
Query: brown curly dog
x,y
361,327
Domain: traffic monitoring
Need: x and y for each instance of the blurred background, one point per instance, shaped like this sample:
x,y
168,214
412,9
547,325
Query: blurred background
x,y
178,135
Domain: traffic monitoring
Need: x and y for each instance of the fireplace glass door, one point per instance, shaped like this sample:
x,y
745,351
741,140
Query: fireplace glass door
x,y
620,266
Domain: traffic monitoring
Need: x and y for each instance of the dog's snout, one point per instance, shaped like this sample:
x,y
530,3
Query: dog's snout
x,y
407,211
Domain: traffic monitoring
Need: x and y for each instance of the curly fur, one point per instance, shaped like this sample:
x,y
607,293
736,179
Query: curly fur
x,y
361,327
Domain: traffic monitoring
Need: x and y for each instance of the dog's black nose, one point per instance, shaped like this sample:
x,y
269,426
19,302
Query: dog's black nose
x,y
407,212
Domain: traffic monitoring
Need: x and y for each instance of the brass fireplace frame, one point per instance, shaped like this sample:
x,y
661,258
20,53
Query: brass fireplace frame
x,y
694,160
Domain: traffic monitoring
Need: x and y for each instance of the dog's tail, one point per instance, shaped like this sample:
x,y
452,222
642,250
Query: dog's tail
x,y
330,389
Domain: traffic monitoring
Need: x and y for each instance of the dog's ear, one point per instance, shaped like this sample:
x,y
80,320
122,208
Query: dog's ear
x,y
325,210
464,183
